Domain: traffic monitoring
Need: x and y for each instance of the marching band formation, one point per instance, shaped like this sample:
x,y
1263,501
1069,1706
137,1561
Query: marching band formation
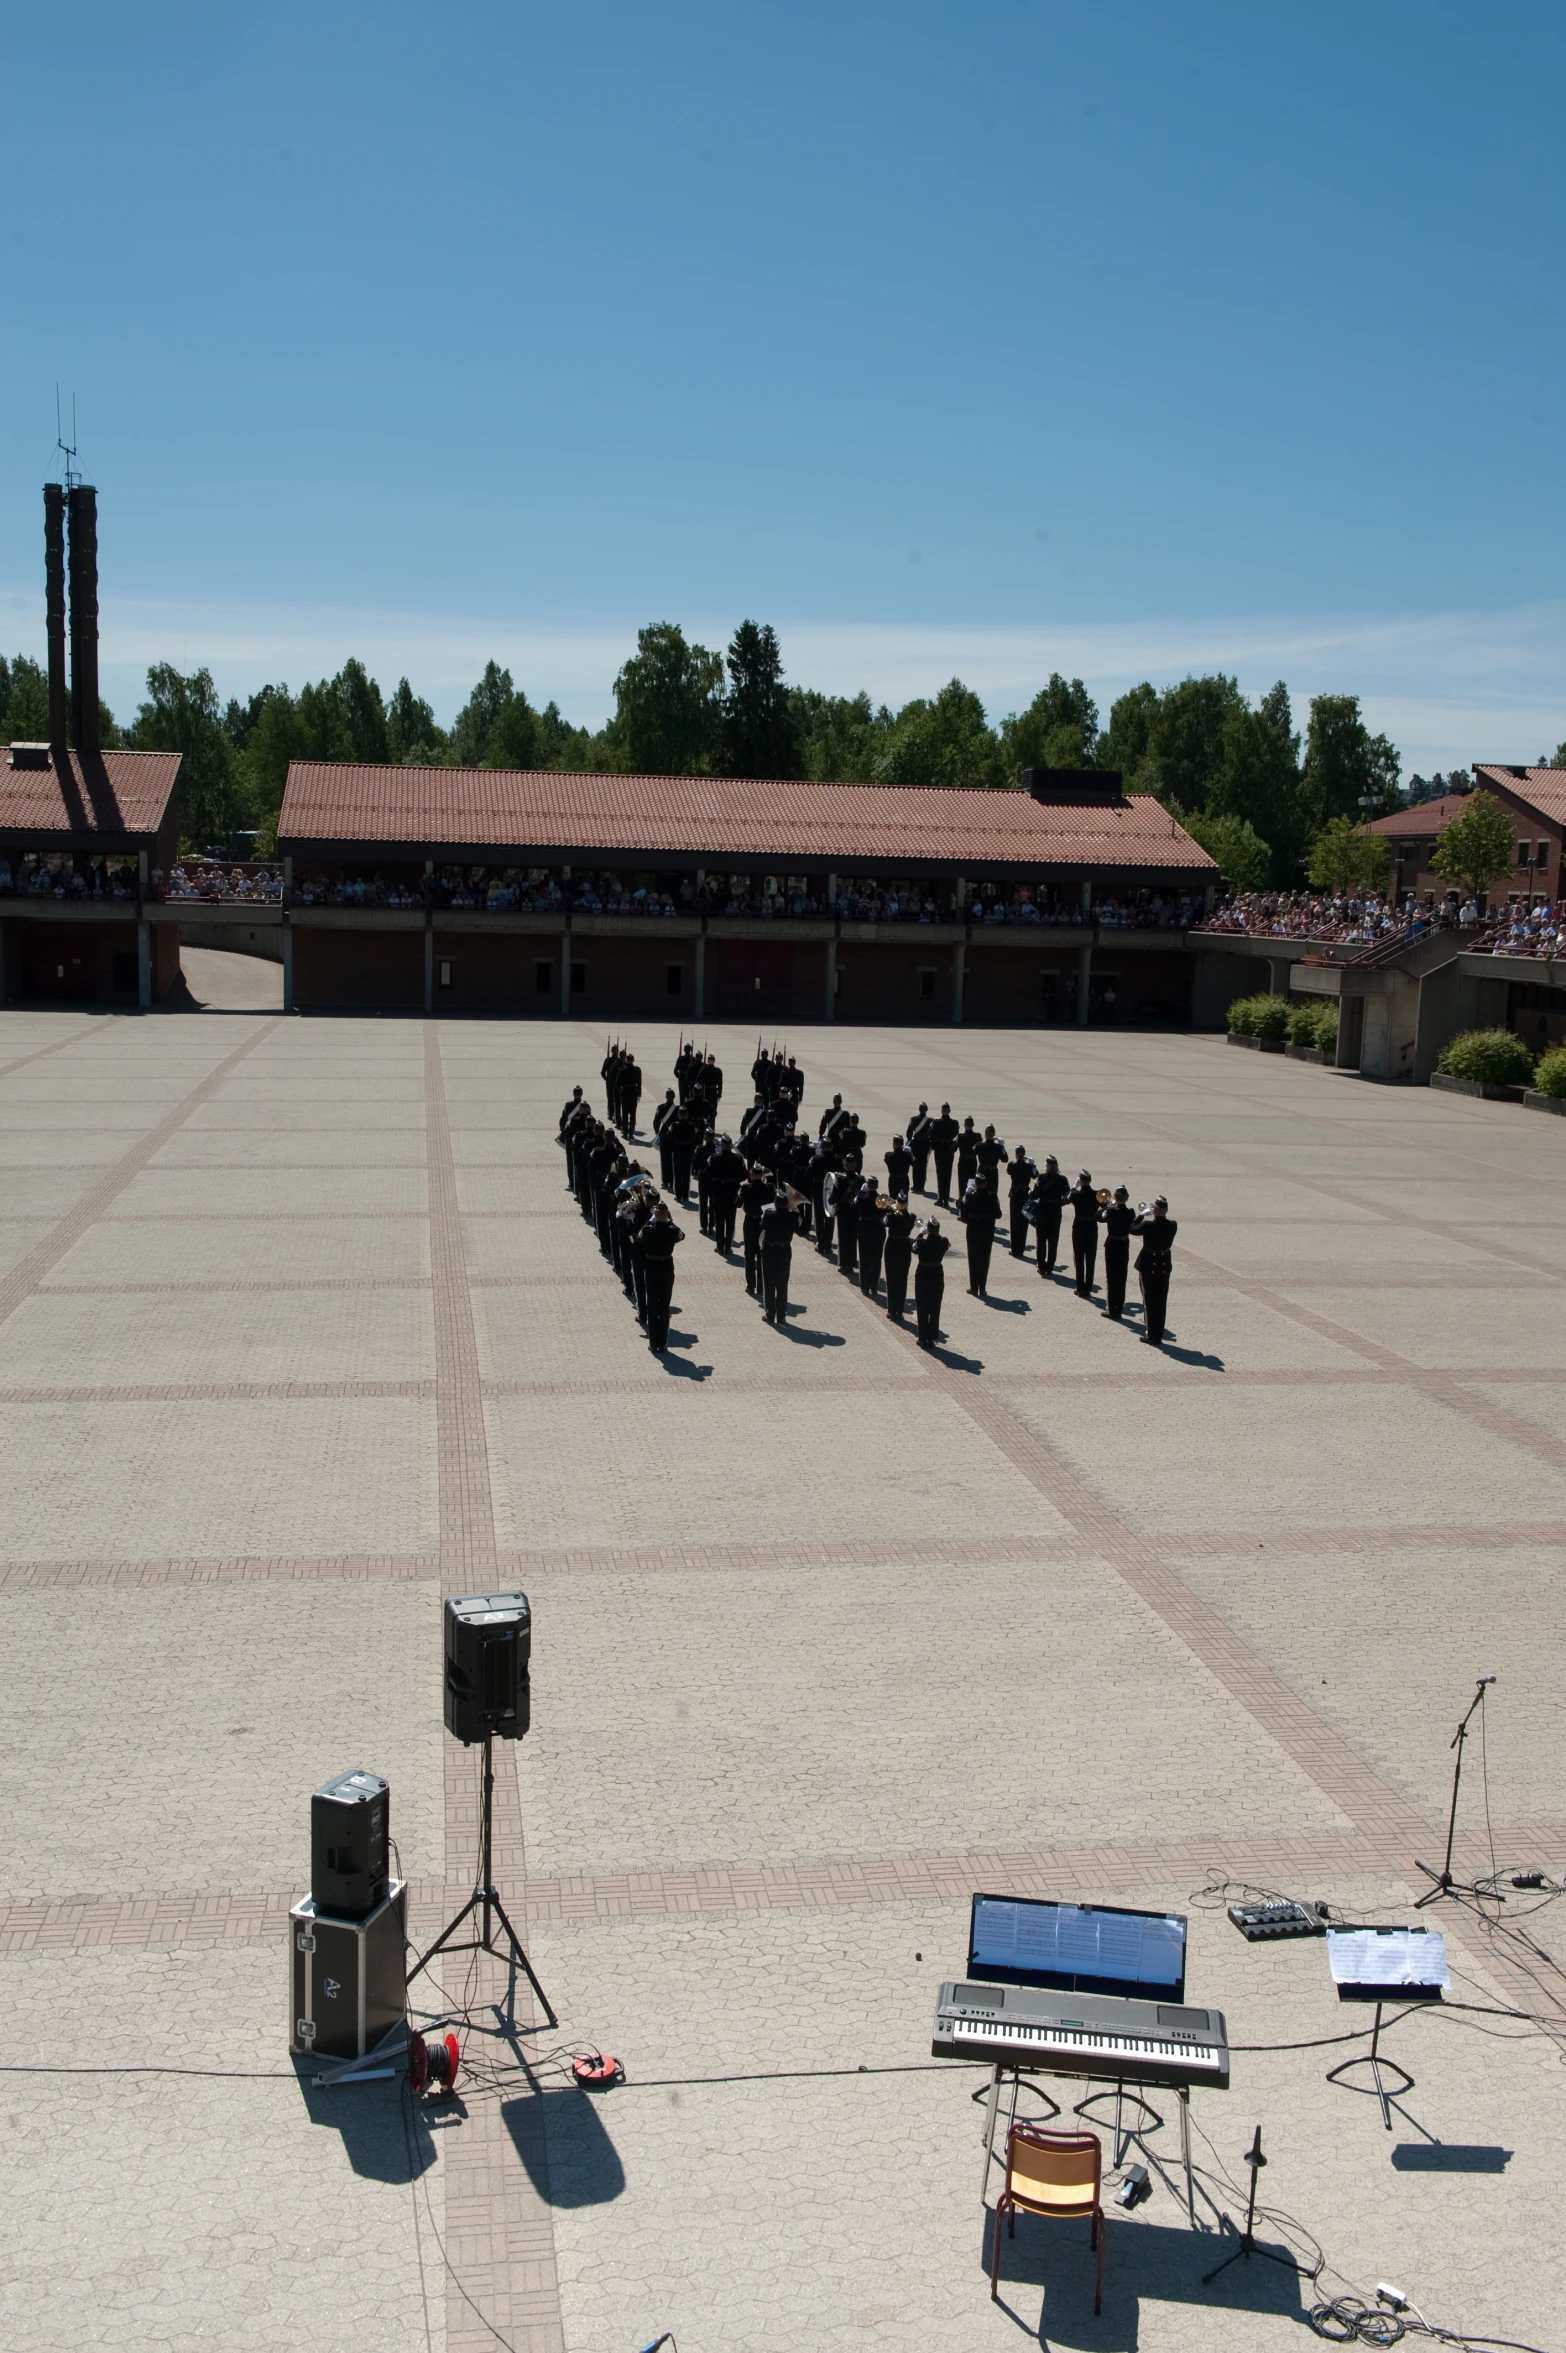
x,y
774,1184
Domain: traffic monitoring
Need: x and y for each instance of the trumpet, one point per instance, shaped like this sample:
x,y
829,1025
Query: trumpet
x,y
1104,1196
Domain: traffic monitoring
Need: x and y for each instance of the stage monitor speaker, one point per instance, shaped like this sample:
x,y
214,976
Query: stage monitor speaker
x,y
489,1640
350,1836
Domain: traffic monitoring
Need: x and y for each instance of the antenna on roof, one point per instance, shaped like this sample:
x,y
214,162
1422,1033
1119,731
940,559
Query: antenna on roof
x,y
66,448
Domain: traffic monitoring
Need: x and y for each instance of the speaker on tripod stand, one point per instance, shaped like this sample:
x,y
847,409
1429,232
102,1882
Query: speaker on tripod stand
x,y
488,1644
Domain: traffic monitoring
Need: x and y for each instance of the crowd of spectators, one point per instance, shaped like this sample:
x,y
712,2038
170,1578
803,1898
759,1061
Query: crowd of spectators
x,y
207,879
1336,918
60,878
1523,931
753,898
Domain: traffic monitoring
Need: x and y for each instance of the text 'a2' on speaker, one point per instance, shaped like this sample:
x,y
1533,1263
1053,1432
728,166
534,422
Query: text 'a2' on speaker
x,y
489,1641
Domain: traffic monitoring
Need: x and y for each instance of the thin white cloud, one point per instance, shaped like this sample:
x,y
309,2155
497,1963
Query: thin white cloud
x,y
1447,687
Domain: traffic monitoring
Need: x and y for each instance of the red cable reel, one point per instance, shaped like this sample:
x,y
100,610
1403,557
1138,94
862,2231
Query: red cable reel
x,y
432,2066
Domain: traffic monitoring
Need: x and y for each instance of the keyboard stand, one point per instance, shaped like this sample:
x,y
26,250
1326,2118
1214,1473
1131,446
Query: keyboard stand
x,y
1122,2140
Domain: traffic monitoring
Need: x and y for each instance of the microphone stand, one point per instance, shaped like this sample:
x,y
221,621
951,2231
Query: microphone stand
x,y
1444,1882
1247,2246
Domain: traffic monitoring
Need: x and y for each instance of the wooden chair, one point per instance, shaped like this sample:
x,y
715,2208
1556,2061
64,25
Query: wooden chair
x,y
1056,2174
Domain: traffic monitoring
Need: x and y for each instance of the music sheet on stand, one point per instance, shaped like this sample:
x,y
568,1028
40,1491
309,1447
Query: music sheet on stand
x,y
1390,1957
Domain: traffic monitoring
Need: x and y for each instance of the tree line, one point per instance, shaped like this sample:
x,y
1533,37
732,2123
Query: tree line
x,y
1250,787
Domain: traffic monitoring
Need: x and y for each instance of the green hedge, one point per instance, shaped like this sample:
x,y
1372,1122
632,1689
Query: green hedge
x,y
1259,1017
1493,1057
1315,1026
1550,1077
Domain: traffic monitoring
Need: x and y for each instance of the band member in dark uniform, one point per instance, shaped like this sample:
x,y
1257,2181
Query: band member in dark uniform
x,y
702,1155
567,1110
685,1063
1119,1222
899,1225
1154,1265
725,1175
1050,1195
918,1135
930,1247
832,1117
682,1143
943,1143
846,1203
661,1118
822,1168
791,1085
630,1092
1020,1173
991,1156
754,1194
657,1242
851,1136
899,1168
967,1157
1084,1232
871,1236
779,1225
981,1214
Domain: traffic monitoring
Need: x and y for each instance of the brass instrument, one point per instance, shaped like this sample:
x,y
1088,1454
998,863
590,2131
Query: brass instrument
x,y
1103,1196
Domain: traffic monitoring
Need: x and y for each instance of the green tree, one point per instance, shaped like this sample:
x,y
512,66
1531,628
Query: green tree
x,y
497,727
412,737
24,701
945,742
1345,858
668,704
1059,728
842,736
1348,771
565,746
1257,779
1127,741
1244,859
759,734
181,715
1476,847
343,718
1187,737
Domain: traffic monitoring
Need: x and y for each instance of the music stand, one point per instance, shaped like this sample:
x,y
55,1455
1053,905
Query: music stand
x,y
1247,2246
485,1900
1444,1882
1381,1965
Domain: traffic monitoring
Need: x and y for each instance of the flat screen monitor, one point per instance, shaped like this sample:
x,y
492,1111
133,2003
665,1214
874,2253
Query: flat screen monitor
x,y
1077,1948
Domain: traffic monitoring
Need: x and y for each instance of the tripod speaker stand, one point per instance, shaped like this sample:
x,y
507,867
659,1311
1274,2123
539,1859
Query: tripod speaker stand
x,y
485,1901
1444,1882
1247,2246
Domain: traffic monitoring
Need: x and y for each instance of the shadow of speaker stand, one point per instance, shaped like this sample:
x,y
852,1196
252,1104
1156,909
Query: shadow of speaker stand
x,y
485,1902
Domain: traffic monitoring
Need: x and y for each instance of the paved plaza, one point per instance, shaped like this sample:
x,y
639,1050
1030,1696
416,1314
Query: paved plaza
x,y
299,1329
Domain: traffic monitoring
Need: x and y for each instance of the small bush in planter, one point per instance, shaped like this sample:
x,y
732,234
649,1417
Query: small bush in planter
x,y
1491,1057
1327,1032
1242,1017
1550,1077
1272,1017
1304,1023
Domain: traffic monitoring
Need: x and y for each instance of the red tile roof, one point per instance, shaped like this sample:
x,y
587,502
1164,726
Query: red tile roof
x,y
560,815
1543,789
108,797
1423,817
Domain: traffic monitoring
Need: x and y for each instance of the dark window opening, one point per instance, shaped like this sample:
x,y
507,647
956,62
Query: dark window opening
x,y
126,979
673,979
443,971
543,976
927,980
579,980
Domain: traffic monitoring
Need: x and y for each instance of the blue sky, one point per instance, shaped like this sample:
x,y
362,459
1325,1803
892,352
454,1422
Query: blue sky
x,y
990,338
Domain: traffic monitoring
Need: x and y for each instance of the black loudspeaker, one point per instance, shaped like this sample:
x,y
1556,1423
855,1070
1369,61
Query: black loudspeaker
x,y
350,1833
489,1640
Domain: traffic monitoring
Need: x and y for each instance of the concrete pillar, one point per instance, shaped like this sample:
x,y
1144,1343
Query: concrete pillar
x,y
429,937
1087,900
1278,975
832,892
2,963
288,964
144,963
288,882
829,1010
959,962
1084,981
565,969
699,992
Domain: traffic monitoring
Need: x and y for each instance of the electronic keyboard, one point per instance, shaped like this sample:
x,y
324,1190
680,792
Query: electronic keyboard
x,y
1083,2034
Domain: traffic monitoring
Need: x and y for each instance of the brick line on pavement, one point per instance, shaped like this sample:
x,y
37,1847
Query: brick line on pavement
x,y
231,1283
166,1392
1447,1387
30,1271
72,1923
93,1027
258,1568
499,2230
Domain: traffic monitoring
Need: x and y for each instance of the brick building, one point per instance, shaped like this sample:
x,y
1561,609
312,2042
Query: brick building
x,y
702,898
82,836
1534,798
